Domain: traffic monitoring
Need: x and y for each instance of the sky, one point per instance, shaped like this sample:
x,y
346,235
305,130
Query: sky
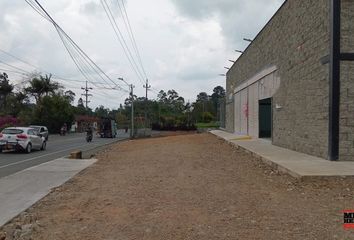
x,y
183,45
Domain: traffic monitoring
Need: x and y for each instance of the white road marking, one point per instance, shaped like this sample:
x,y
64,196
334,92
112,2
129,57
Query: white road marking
x,y
45,155
64,140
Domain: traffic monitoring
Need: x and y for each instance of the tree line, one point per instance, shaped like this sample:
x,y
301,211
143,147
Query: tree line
x,y
43,101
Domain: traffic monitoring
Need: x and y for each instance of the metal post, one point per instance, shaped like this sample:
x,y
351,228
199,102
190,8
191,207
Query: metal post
x,y
132,112
334,80
146,86
86,95
86,89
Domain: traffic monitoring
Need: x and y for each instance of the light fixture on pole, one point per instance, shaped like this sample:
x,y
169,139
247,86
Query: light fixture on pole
x,y
248,40
239,51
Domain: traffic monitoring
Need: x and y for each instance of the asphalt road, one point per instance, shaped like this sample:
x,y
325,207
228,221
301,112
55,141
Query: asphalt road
x,y
57,147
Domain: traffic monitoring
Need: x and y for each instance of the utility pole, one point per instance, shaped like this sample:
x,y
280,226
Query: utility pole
x,y
86,94
147,87
131,88
132,113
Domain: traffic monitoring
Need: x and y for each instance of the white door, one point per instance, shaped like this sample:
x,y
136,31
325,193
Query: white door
x,y
237,115
244,112
253,110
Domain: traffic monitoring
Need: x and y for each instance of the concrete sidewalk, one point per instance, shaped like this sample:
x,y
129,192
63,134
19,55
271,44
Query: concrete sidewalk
x,y
296,164
21,190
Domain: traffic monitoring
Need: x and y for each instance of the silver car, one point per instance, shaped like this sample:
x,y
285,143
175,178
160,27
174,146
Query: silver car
x,y
43,130
21,139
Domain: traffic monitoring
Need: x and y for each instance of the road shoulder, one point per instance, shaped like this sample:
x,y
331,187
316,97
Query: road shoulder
x,y
21,190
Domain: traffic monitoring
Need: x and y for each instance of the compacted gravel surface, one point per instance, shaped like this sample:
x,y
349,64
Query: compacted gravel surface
x,y
186,187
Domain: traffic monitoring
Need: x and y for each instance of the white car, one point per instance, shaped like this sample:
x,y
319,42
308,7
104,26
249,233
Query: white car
x,y
21,139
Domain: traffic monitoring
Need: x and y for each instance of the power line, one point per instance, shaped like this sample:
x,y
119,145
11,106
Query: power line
x,y
12,66
79,58
75,60
64,36
17,58
121,40
130,34
55,76
13,71
22,73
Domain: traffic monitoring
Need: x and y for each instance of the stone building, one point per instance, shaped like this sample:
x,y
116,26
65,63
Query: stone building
x,y
283,86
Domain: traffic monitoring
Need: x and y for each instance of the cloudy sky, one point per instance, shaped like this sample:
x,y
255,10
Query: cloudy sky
x,y
183,44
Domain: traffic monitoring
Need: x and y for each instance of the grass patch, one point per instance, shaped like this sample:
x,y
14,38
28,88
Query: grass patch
x,y
207,125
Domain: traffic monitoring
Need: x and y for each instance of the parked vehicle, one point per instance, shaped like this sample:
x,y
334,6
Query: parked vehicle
x,y
21,139
42,130
107,128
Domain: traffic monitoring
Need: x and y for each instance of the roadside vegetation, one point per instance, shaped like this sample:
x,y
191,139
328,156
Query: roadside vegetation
x,y
40,100
207,125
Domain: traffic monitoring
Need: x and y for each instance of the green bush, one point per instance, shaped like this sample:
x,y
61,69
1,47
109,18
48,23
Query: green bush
x,y
207,117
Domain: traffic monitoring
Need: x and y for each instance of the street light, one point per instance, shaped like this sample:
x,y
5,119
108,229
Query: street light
x,y
232,61
222,75
124,81
239,51
227,68
248,40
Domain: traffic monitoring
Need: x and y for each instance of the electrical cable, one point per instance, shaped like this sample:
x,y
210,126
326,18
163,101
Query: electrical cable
x,y
122,41
19,69
131,35
84,56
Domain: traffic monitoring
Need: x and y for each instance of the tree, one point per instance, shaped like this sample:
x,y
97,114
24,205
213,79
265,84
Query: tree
x,y
80,103
70,95
162,96
54,111
80,109
5,89
172,96
15,103
101,111
42,86
203,96
218,93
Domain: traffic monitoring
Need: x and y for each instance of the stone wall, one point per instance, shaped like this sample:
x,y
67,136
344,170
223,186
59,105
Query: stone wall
x,y
346,145
295,40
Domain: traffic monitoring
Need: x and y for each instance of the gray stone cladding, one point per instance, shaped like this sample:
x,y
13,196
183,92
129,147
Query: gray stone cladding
x,y
295,40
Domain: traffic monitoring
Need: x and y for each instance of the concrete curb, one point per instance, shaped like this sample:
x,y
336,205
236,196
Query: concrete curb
x,y
87,154
297,165
266,161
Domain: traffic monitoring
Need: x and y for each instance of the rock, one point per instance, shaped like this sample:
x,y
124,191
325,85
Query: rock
x,y
26,235
2,235
23,232
17,233
26,227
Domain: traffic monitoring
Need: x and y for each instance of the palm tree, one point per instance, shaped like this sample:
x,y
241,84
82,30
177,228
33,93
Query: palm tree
x,y
42,86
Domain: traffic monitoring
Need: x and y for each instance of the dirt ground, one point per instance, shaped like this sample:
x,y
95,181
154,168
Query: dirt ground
x,y
186,187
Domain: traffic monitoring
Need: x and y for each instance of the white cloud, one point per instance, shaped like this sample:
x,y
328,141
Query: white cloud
x,y
184,44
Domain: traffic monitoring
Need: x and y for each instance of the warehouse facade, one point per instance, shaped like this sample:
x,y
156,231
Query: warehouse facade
x,y
280,87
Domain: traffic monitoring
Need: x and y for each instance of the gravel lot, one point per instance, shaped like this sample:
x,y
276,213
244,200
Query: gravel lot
x,y
186,187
